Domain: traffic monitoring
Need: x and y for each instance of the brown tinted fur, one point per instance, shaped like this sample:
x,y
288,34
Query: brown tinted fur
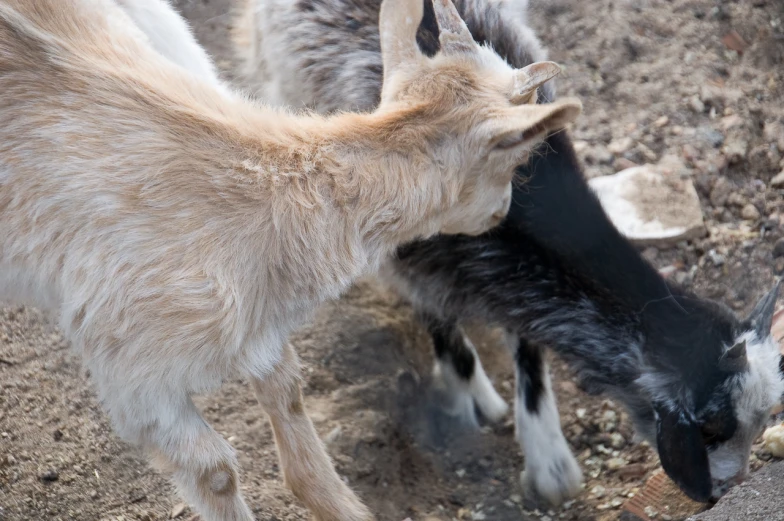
x,y
184,232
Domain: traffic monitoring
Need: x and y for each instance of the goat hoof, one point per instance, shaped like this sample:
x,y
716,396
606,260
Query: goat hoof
x,y
492,406
553,485
458,407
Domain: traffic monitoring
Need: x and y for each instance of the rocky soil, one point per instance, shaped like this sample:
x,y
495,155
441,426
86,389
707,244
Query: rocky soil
x,y
697,85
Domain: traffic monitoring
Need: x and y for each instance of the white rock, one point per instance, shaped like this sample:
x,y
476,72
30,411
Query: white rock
x,y
615,463
178,510
617,441
598,491
620,146
651,205
773,439
778,180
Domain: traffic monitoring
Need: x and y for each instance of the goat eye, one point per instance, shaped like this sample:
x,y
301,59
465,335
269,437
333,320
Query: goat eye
x,y
709,434
713,433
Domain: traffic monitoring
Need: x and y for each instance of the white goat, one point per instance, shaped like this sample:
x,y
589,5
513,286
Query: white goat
x,y
183,232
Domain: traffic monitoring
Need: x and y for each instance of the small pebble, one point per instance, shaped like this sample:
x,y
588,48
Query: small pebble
x,y
750,212
598,491
615,463
778,180
716,258
711,136
620,146
49,476
696,105
178,510
617,441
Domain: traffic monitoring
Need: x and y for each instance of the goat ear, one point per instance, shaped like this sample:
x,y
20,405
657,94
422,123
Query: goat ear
x,y
529,78
454,34
398,22
734,359
525,124
761,317
683,454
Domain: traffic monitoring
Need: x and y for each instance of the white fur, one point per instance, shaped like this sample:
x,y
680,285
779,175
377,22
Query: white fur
x,y
170,35
462,395
551,470
458,400
759,388
490,403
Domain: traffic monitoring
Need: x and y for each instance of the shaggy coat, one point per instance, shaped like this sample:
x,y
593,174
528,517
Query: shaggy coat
x,y
183,232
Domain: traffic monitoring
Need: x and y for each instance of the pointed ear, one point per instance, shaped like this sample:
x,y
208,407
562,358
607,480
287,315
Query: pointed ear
x,y
454,35
529,78
526,124
761,317
734,359
683,454
398,22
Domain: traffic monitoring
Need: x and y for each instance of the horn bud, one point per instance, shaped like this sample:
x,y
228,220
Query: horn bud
x,y
454,34
529,78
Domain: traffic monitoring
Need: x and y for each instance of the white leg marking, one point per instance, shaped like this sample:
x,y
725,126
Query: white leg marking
x,y
493,407
551,471
458,401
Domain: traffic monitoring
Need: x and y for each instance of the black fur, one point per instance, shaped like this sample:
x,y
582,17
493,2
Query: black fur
x,y
530,368
449,345
683,454
558,273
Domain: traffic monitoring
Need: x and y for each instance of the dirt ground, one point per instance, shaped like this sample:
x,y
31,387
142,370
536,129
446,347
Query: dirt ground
x,y
696,83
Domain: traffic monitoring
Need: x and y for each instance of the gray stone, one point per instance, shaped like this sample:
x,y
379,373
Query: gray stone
x,y
720,192
711,136
778,248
